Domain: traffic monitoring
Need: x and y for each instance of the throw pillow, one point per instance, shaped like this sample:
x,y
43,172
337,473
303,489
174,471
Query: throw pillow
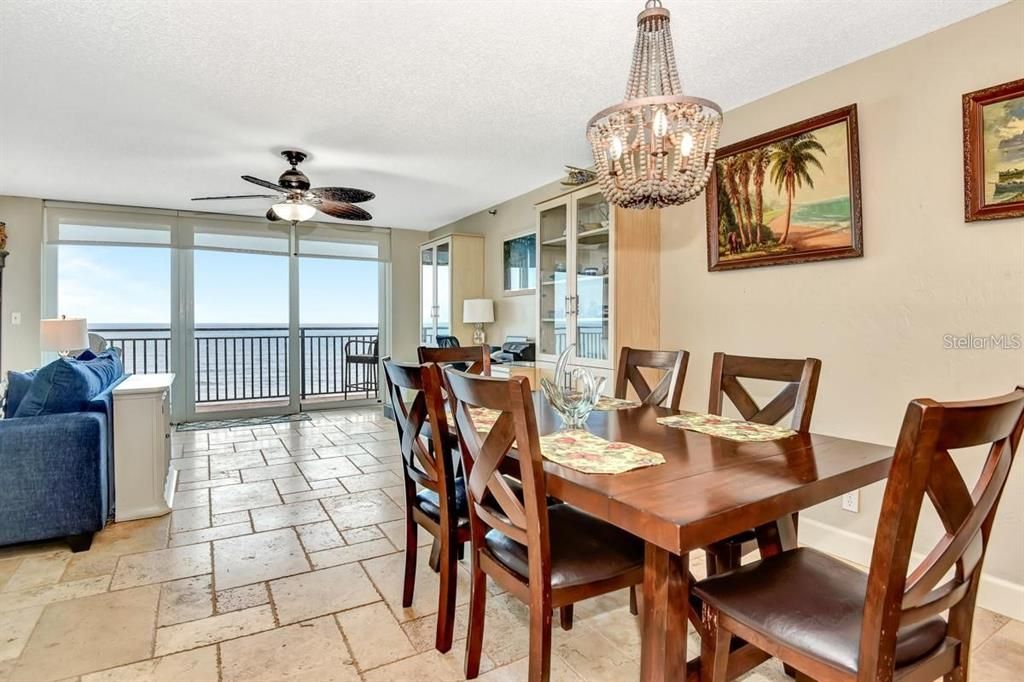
x,y
18,384
67,385
86,355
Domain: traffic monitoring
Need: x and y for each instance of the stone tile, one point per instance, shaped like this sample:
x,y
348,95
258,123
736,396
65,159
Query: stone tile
x,y
161,565
260,444
192,537
354,438
7,568
388,574
90,634
326,483
358,484
269,518
38,570
231,518
238,598
291,485
429,665
1001,657
363,427
214,483
49,594
344,450
183,463
594,657
283,470
397,494
187,499
362,509
296,442
258,557
198,665
230,462
382,449
374,636
308,595
363,461
190,519
986,624
328,468
395,531
193,475
519,670
316,537
310,651
15,628
364,534
381,468
243,496
126,537
350,553
283,456
315,494
214,629
184,600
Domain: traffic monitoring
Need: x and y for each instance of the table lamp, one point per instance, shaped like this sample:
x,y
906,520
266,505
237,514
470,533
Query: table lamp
x,y
478,311
64,334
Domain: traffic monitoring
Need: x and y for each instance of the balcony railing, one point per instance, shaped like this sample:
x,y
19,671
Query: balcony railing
x,y
251,364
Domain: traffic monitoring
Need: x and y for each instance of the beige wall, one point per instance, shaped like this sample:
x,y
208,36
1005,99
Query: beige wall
x,y
877,322
24,218
512,314
405,293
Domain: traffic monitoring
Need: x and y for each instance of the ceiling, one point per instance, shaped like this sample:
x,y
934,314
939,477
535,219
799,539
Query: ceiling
x,y
441,107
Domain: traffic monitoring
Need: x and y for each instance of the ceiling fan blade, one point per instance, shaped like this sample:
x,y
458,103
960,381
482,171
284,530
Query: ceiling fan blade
x,y
271,216
237,196
345,211
264,183
346,194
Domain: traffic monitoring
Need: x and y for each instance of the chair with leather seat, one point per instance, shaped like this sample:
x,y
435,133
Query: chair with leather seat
x,y
669,389
831,621
548,557
440,508
800,377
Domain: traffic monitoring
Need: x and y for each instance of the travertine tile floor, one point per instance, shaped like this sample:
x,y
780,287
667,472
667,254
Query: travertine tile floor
x,y
282,561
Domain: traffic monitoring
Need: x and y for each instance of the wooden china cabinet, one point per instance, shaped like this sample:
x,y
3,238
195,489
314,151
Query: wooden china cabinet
x,y
598,280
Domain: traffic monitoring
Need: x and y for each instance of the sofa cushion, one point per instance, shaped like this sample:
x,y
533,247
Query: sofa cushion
x,y
86,355
67,385
17,386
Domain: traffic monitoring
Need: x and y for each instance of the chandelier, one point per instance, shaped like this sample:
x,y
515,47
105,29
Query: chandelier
x,y
657,148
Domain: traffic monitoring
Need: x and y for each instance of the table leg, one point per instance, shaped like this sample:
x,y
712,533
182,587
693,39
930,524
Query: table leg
x,y
666,590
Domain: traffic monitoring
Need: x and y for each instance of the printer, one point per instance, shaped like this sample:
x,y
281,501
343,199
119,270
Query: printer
x,y
515,349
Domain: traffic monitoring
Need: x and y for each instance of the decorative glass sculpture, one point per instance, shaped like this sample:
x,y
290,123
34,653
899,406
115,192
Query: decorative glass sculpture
x,y
572,393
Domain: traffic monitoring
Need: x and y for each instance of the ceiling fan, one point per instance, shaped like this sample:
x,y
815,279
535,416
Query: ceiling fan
x,y
297,201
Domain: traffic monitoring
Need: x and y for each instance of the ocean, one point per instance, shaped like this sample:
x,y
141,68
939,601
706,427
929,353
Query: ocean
x,y
833,213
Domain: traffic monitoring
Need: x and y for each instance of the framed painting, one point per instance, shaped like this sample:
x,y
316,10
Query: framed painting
x,y
788,196
519,264
994,152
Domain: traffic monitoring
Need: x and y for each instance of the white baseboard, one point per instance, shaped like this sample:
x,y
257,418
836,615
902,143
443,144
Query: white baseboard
x,y
995,594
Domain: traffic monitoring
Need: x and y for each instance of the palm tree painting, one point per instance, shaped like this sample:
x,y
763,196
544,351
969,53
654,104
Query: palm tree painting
x,y
792,195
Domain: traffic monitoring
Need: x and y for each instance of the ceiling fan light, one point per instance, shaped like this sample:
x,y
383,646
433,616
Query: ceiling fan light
x,y
294,211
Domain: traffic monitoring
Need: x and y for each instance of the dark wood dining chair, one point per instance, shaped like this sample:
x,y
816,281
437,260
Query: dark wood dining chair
x,y
829,620
473,359
415,394
669,389
797,397
547,557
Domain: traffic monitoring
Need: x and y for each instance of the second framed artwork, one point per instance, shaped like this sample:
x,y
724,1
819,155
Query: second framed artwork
x,y
788,196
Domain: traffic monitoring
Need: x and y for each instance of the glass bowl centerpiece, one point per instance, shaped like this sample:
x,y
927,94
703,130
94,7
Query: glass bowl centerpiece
x,y
572,393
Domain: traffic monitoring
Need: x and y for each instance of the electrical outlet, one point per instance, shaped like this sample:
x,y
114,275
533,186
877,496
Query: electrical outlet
x,y
851,501
15,318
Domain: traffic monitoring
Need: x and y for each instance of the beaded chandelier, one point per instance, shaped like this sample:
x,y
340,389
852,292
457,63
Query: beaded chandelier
x,y
657,148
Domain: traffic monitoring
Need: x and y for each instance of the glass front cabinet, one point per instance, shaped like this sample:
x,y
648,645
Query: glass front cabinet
x,y
575,243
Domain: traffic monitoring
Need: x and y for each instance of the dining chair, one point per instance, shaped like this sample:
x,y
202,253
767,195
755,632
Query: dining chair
x,y
440,508
547,557
474,359
797,397
669,388
829,620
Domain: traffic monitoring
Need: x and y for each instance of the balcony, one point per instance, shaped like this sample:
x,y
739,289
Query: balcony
x,y
234,365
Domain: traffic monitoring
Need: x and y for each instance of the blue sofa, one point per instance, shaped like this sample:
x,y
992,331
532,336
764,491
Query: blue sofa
x,y
56,457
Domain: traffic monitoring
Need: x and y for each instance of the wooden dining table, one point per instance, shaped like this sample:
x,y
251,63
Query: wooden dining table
x,y
708,489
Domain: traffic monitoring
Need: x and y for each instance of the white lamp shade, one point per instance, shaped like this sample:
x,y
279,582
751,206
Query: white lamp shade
x,y
294,211
478,310
64,334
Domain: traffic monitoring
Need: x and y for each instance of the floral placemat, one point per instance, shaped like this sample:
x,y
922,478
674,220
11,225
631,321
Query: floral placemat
x,y
590,454
724,427
608,403
483,417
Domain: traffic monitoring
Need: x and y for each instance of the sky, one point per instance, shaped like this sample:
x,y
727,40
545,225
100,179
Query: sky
x,y
120,284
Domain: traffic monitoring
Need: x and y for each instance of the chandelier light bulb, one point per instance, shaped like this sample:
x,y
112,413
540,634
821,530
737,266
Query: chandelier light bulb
x,y
660,123
686,144
615,147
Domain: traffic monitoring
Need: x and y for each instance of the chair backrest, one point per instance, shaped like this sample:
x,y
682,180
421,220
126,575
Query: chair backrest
x,y
669,388
797,396
477,358
923,466
447,341
492,503
429,464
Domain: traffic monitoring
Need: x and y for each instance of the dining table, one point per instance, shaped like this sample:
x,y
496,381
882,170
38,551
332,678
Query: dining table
x,y
709,488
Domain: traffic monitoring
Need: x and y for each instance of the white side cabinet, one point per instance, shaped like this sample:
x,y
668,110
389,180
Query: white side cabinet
x,y
143,479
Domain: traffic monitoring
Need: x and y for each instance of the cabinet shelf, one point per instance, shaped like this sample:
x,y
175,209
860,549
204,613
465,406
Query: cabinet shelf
x,y
557,241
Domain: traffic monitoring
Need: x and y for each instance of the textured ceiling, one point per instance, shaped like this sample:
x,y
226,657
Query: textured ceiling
x,y
441,107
